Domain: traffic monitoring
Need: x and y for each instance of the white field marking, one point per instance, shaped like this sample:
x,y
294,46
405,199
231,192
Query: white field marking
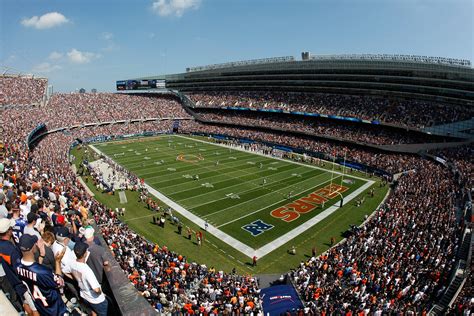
x,y
279,201
221,189
276,158
231,241
132,219
179,163
200,222
270,192
217,179
229,165
199,170
132,159
261,252
256,185
238,245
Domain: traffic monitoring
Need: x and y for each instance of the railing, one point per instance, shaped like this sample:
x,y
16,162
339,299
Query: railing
x,y
242,63
398,58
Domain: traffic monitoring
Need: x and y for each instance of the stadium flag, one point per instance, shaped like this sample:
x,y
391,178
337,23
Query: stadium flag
x,y
279,299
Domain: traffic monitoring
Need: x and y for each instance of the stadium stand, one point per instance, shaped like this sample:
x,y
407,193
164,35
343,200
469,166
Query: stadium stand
x,y
370,134
411,113
404,259
22,90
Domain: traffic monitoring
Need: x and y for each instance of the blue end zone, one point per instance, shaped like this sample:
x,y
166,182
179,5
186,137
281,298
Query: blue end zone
x,y
280,299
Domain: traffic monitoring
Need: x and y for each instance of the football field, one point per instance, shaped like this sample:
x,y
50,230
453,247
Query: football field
x,y
254,203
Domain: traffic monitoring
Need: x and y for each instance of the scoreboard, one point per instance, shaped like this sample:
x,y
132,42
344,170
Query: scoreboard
x,y
142,84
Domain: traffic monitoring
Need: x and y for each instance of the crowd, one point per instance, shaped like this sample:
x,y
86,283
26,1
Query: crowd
x,y
21,90
399,261
368,134
169,281
76,109
414,113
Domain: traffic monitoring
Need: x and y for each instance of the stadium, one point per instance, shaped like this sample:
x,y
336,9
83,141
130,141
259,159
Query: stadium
x,y
335,184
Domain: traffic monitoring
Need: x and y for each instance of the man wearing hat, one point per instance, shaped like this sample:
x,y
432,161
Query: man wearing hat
x,y
97,259
40,280
90,291
62,242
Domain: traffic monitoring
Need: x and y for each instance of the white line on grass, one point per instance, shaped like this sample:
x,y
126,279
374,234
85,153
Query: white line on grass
x,y
243,248
274,244
240,246
276,158
256,185
254,212
271,192
226,188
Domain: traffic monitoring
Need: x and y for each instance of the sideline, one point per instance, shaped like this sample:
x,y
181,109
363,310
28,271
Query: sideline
x,y
84,185
238,245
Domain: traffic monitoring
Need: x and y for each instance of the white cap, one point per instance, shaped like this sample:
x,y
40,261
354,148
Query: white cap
x,y
89,233
5,224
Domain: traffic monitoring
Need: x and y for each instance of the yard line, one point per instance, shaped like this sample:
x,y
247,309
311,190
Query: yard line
x,y
159,154
202,168
226,188
277,158
132,219
250,182
280,241
263,208
185,168
238,245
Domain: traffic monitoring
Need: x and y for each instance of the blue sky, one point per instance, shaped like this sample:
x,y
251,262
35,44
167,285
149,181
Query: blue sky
x,y
91,44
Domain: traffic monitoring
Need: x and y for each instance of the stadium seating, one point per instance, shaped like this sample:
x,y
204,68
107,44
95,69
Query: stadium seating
x,y
412,113
399,261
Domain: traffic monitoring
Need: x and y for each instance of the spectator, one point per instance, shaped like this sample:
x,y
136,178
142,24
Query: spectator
x,y
62,242
97,259
91,291
30,227
10,258
40,280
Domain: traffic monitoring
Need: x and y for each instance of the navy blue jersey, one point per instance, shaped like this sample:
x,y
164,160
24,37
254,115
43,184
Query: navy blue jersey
x,y
43,286
20,224
10,253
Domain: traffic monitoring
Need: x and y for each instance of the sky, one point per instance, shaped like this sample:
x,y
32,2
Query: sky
x,y
92,43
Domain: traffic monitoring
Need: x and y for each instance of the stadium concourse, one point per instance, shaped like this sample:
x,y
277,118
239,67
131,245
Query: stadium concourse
x,y
402,260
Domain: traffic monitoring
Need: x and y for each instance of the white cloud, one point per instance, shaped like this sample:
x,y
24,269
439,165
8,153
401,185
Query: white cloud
x,y
107,36
174,7
46,68
55,55
45,21
79,57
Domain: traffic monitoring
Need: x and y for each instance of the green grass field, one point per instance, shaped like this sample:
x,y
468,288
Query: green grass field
x,y
235,190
